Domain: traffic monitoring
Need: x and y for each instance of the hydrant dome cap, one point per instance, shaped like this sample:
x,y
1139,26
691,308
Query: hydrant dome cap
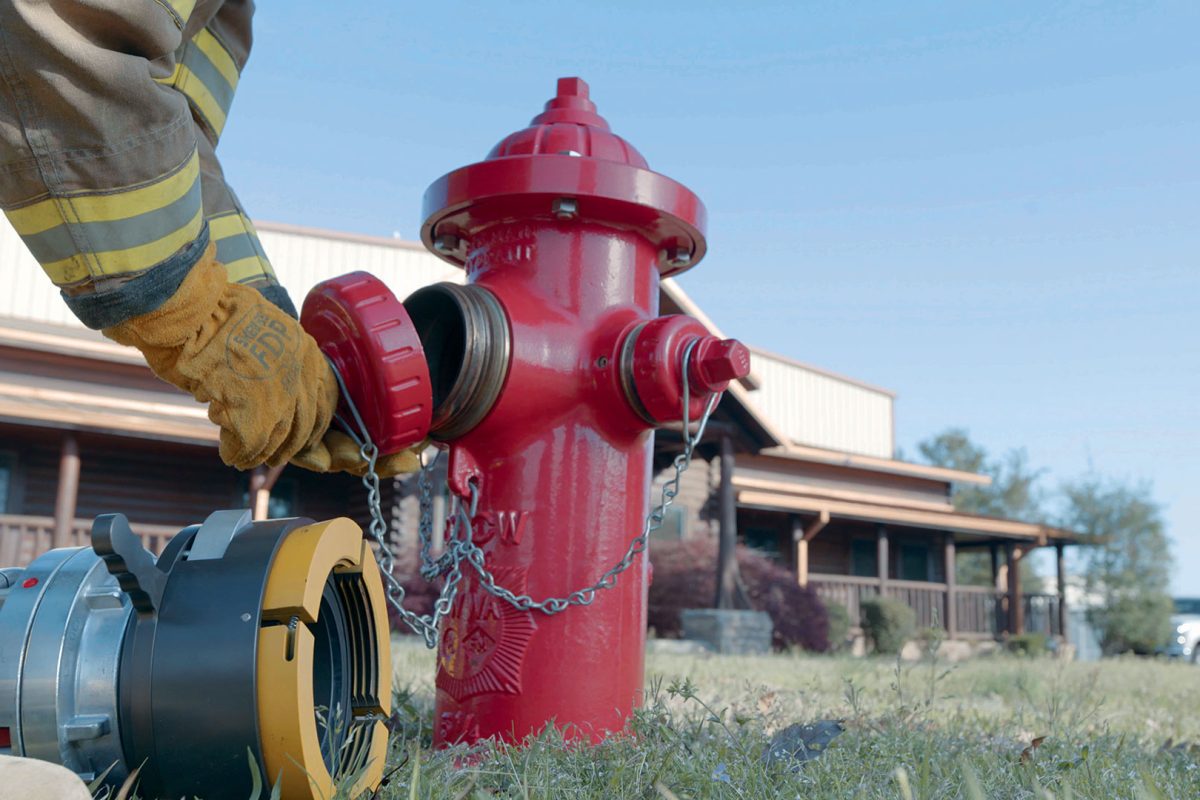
x,y
568,155
569,126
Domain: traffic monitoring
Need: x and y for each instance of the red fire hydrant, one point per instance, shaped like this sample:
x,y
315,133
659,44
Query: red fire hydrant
x,y
545,376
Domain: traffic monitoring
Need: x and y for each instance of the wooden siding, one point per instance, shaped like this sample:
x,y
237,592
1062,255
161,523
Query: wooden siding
x,y
158,484
830,552
22,538
303,258
28,293
697,498
886,487
816,408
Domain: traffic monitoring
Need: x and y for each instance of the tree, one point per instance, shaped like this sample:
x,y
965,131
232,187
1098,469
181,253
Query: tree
x,y
1013,493
1128,565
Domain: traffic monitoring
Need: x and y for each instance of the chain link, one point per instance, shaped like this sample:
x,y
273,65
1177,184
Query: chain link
x,y
459,546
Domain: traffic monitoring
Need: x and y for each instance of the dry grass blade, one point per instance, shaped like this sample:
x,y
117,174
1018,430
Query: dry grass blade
x,y
414,787
664,792
95,785
974,790
901,776
130,782
256,784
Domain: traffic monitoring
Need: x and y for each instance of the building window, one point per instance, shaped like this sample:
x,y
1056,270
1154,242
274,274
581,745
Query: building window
x,y
914,562
864,558
282,502
8,472
763,540
674,526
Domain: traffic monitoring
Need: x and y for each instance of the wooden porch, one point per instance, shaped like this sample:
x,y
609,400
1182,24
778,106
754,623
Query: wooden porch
x,y
850,551
24,538
964,612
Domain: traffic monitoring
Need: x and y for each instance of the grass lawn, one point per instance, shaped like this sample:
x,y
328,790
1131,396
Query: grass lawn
x,y
1117,729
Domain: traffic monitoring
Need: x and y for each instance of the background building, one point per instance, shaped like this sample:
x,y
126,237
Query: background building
x,y
798,462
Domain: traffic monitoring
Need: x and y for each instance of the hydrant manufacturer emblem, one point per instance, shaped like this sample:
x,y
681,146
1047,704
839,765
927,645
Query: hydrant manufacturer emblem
x,y
484,641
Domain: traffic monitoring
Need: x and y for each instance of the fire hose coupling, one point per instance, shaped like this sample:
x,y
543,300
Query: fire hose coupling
x,y
652,368
266,644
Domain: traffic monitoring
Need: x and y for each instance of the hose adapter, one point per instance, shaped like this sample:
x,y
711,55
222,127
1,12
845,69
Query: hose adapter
x,y
265,641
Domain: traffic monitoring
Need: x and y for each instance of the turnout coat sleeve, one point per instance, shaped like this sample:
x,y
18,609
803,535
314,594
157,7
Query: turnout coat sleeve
x,y
110,115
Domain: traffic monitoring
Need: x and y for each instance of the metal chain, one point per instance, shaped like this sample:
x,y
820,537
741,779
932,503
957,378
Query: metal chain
x,y
424,625
460,546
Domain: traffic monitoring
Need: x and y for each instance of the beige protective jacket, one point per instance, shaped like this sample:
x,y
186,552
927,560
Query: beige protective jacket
x,y
110,113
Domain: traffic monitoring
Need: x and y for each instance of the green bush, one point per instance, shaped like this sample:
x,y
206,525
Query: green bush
x,y
1137,622
839,625
1027,644
888,623
684,576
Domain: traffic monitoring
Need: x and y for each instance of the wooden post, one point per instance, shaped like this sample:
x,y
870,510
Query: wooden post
x,y
262,481
802,535
801,550
1061,569
1000,606
951,588
881,555
726,553
1016,609
68,491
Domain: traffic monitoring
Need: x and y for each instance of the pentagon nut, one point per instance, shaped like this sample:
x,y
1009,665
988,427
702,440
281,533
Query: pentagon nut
x,y
716,362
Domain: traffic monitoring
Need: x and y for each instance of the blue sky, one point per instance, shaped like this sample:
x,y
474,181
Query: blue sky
x,y
993,209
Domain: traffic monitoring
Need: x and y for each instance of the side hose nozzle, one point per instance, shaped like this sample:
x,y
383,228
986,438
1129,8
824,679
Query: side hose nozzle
x,y
652,373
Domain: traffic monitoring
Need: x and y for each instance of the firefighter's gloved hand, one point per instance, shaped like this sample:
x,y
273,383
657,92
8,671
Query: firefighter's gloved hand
x,y
337,452
267,384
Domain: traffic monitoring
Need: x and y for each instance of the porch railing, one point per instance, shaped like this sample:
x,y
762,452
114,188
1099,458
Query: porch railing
x,y
979,611
24,538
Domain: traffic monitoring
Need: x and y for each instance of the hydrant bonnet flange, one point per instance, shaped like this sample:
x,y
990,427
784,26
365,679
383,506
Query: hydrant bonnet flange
x,y
568,152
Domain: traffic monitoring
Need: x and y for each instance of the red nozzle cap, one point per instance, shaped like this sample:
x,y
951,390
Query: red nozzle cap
x,y
716,362
367,333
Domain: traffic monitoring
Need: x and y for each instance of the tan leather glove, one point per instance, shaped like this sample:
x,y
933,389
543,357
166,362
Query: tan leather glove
x,y
267,384
337,452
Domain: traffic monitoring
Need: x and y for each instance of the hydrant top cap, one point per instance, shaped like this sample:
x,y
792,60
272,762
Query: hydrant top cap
x,y
569,156
569,126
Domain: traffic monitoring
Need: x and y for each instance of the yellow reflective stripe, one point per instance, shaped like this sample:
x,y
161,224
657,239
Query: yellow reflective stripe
x,y
216,53
133,259
238,248
202,99
227,225
170,79
245,270
183,8
115,205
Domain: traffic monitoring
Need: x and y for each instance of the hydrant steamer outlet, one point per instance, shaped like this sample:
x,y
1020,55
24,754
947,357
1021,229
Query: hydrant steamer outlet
x,y
545,377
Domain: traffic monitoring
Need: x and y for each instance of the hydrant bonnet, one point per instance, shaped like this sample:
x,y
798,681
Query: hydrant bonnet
x,y
567,158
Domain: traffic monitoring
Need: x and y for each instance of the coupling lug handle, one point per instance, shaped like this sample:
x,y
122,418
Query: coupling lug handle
x,y
132,565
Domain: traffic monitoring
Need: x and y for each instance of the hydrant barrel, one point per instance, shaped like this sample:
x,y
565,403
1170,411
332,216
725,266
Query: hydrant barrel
x,y
565,229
